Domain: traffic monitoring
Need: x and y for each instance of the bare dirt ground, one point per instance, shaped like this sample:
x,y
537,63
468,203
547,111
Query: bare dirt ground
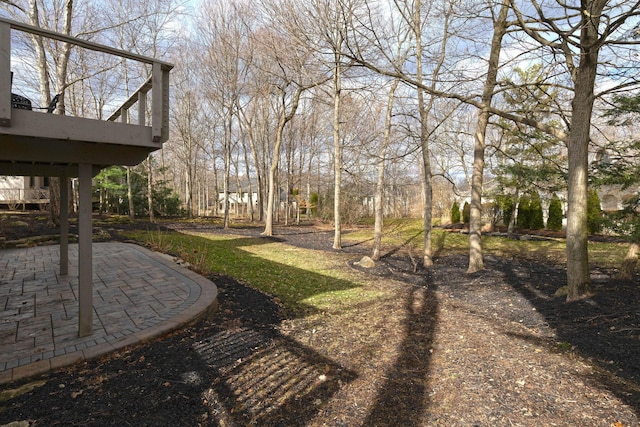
x,y
440,348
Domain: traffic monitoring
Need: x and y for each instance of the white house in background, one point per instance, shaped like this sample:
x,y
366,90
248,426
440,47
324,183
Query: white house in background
x,y
238,202
24,190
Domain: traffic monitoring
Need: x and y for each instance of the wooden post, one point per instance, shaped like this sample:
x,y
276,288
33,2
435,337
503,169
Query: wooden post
x,y
5,74
165,104
156,102
85,254
142,108
64,225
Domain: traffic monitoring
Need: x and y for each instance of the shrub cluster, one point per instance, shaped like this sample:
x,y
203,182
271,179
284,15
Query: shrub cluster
x,y
530,211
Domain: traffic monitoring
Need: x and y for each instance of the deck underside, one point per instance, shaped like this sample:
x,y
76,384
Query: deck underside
x,y
53,145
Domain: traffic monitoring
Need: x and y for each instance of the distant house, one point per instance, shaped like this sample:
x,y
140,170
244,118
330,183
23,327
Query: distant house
x,y
238,202
24,191
614,197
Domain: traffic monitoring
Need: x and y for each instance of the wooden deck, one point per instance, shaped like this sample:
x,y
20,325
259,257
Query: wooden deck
x,y
50,144
42,144
37,143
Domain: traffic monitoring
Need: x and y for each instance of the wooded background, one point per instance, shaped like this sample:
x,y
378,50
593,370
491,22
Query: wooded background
x,y
358,108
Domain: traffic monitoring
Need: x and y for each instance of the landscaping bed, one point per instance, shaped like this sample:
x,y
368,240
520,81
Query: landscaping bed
x,y
435,347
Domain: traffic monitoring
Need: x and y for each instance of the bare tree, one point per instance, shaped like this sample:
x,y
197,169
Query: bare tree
x,y
187,122
61,52
248,119
500,26
290,74
223,35
382,154
321,25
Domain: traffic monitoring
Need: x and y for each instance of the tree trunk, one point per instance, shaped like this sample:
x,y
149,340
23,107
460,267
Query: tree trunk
x,y
188,195
424,110
45,97
379,197
425,161
43,68
239,191
476,261
284,119
514,212
249,185
62,62
227,172
309,194
259,184
628,267
425,165
102,203
578,278
216,190
54,201
268,226
337,153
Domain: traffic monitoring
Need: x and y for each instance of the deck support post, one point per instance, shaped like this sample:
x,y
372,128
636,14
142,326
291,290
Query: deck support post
x,y
64,225
85,254
5,74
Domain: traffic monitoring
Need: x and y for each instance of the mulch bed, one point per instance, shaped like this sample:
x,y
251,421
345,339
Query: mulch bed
x,y
447,348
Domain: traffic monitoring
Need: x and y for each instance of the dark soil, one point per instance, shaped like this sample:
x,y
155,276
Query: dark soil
x,y
446,348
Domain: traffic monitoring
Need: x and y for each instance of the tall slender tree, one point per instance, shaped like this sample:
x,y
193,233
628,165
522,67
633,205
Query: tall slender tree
x,y
500,26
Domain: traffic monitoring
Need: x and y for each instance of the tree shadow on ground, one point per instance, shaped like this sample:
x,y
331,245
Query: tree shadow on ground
x,y
403,398
605,328
233,369
260,376
266,379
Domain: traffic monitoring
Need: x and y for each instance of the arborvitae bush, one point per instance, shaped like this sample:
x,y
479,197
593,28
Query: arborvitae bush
x,y
466,213
455,213
536,218
554,222
314,200
524,212
508,206
594,213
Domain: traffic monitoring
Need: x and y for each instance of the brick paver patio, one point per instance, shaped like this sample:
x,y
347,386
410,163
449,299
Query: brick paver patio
x,y
137,294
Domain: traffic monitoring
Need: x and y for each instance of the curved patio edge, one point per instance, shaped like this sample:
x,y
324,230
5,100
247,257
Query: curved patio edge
x,y
200,289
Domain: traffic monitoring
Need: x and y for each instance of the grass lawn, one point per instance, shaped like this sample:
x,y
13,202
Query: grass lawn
x,y
309,281
407,233
303,280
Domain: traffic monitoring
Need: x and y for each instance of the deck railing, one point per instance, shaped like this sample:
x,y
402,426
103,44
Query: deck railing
x,y
24,195
158,83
